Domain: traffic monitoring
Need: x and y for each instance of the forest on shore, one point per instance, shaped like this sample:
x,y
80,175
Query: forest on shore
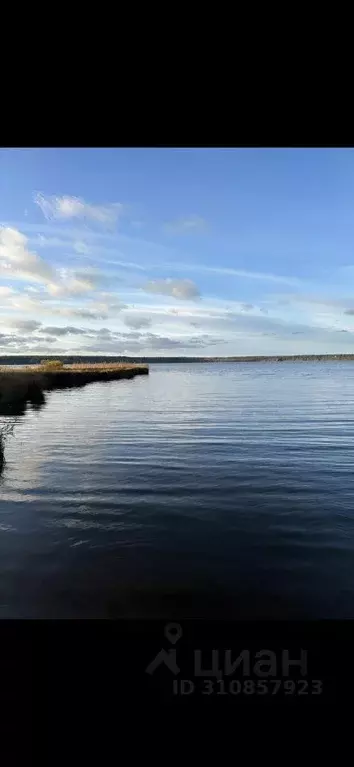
x,y
74,359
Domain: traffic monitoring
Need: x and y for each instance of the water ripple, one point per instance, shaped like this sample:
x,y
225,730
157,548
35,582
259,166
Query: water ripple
x,y
240,476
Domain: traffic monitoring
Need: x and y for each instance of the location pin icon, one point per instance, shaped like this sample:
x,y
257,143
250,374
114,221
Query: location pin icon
x,y
173,632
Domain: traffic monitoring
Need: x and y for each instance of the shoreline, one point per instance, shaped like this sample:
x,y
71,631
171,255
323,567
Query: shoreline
x,y
28,384
133,362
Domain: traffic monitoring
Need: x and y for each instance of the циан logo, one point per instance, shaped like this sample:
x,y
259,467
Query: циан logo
x,y
173,632
223,671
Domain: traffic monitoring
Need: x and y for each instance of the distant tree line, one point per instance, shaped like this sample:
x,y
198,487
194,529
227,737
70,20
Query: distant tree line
x,y
71,359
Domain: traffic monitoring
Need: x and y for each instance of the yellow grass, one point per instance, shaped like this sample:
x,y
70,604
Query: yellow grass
x,y
20,384
77,367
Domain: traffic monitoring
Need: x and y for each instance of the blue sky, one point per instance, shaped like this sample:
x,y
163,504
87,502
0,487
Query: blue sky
x,y
176,251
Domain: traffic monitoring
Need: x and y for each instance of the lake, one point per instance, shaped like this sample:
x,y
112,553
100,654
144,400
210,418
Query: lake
x,y
201,490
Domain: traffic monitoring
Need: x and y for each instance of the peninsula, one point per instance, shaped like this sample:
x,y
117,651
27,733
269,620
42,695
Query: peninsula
x,y
22,384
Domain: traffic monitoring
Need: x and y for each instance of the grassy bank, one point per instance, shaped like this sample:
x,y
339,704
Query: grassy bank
x,y
28,384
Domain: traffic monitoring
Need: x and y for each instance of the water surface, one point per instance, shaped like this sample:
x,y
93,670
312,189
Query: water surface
x,y
202,489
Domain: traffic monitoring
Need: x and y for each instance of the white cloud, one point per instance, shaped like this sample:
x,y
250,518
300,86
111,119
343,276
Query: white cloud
x,y
187,224
64,331
75,282
149,343
66,208
81,285
17,262
90,310
85,314
182,289
28,325
136,321
110,301
24,304
55,290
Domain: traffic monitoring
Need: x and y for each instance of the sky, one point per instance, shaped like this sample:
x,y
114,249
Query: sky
x,y
163,252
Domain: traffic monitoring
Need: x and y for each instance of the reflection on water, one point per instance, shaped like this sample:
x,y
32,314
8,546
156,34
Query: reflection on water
x,y
35,398
198,490
10,410
7,426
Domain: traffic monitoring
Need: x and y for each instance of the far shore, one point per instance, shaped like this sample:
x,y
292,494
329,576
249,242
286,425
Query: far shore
x,y
133,362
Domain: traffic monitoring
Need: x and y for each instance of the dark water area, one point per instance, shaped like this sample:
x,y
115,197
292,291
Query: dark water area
x,y
201,490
